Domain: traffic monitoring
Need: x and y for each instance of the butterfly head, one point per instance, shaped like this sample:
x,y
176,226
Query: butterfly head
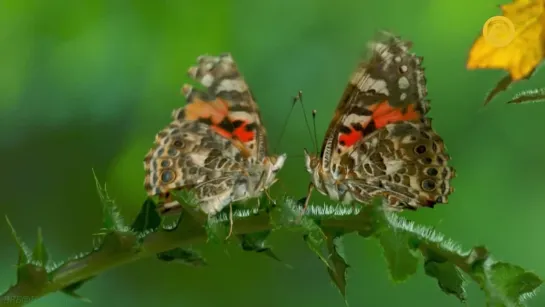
x,y
273,164
311,162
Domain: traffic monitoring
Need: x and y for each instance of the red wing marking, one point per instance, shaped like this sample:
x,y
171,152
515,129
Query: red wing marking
x,y
244,134
350,138
217,111
384,114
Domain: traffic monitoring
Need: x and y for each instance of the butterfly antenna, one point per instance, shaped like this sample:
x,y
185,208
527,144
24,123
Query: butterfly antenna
x,y
300,99
315,133
294,101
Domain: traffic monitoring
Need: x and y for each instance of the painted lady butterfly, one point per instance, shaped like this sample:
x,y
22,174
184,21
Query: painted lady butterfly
x,y
380,141
216,145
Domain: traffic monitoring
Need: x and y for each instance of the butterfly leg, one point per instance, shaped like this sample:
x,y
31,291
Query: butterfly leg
x,y
230,221
307,200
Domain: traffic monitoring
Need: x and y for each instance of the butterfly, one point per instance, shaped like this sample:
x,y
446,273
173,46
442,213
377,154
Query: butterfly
x,y
215,146
380,142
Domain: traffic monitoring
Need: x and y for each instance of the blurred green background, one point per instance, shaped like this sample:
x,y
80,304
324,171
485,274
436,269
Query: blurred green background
x,y
87,84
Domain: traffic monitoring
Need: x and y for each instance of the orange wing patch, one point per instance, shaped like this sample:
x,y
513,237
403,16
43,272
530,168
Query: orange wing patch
x,y
525,48
384,114
217,112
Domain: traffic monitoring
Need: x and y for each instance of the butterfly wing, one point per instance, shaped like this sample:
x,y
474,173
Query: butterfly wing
x,y
211,139
228,105
388,87
189,155
406,162
380,138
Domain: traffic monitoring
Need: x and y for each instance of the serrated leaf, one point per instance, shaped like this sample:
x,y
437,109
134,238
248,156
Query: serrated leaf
x,y
288,215
449,278
402,262
190,206
529,96
119,243
373,218
111,217
71,290
182,255
148,218
256,242
283,215
24,253
216,231
511,281
39,254
337,270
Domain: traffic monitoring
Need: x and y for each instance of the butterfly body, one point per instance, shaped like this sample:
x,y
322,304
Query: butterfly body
x,y
215,146
380,143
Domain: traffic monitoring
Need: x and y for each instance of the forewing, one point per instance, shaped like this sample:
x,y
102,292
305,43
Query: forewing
x,y
227,105
387,87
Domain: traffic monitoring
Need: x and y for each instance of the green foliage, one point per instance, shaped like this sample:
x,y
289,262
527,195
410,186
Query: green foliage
x,y
182,255
39,254
72,288
529,96
338,267
24,253
257,242
111,218
449,278
322,227
148,218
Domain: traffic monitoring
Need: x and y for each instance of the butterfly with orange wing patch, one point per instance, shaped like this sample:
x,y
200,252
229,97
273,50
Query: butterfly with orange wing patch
x,y
380,142
216,145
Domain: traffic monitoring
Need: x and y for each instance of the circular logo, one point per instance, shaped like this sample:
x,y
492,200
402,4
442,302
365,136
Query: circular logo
x,y
499,31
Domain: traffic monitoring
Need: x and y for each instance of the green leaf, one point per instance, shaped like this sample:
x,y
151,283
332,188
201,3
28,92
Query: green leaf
x,y
256,242
510,283
337,271
111,218
449,278
148,218
71,290
402,261
216,230
39,254
288,214
529,96
119,243
189,204
182,255
24,253
372,218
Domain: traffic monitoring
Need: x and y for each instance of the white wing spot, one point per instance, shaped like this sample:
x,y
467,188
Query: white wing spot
x,y
393,166
403,83
207,80
367,83
232,85
208,66
403,96
398,59
404,68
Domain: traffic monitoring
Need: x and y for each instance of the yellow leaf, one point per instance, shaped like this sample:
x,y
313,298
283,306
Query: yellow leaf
x,y
514,42
527,48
